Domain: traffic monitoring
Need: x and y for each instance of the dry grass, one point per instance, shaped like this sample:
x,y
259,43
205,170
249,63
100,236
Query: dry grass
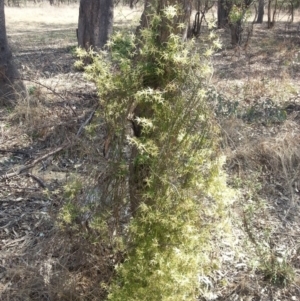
x,y
46,18
40,18
261,141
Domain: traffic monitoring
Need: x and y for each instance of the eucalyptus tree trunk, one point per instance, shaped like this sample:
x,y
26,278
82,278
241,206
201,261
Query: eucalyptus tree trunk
x,y
270,23
224,7
274,12
10,85
236,26
236,33
292,11
261,11
166,28
154,8
95,23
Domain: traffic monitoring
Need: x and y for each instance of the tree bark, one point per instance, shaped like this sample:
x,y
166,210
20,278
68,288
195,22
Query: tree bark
x,y
95,23
224,7
10,85
270,23
183,17
236,26
138,173
261,11
236,33
274,12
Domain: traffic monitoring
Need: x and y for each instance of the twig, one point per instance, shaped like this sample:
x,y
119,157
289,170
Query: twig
x,y
38,180
14,152
87,121
24,168
7,225
248,230
31,165
17,187
50,89
13,242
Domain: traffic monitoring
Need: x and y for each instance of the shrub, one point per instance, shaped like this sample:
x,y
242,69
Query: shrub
x,y
165,194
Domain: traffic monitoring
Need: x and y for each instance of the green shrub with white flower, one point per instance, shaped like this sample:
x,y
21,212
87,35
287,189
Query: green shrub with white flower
x,y
181,188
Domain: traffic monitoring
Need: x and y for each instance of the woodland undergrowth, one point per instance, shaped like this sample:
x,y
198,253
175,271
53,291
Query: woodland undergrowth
x,y
163,196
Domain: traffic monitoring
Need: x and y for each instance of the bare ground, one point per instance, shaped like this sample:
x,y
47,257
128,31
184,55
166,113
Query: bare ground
x,y
41,148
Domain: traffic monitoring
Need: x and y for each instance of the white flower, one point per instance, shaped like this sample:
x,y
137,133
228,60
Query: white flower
x,y
170,12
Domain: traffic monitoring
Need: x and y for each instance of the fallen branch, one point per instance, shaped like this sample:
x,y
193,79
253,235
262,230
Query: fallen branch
x,y
3,151
31,165
87,121
38,180
50,89
16,187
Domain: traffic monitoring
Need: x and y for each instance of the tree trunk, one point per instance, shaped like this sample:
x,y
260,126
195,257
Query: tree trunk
x,y
261,11
138,173
10,84
95,23
183,17
270,23
274,12
292,12
236,33
236,25
223,13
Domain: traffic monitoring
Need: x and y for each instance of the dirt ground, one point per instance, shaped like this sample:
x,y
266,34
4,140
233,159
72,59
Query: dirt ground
x,y
255,93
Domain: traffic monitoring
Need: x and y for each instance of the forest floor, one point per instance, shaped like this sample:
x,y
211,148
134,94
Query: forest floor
x,y
256,97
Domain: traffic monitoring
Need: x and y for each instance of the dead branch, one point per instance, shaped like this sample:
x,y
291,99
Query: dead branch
x,y
87,121
36,161
38,180
31,165
50,89
20,152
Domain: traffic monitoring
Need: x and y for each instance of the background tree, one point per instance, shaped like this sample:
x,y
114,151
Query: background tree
x,y
232,13
95,23
10,85
224,7
236,19
272,4
202,7
290,6
261,11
